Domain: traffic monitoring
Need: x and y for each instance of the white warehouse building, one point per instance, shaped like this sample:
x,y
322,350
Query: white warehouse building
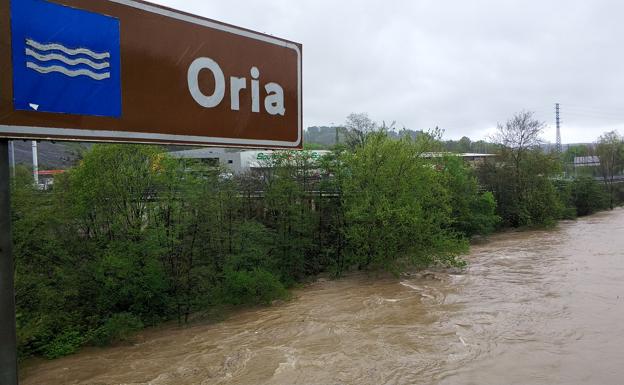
x,y
243,161
237,161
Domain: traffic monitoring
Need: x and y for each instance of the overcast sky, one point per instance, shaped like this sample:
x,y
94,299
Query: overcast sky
x,y
460,65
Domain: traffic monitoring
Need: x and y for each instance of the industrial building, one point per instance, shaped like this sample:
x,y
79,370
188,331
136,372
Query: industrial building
x,y
238,162
243,161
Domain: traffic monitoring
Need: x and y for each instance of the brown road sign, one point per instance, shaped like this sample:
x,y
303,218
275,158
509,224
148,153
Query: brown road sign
x,y
131,71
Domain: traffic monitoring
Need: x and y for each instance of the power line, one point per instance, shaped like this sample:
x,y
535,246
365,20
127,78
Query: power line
x,y
595,115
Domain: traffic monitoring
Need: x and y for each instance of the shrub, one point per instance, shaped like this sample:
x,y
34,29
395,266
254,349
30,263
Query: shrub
x,y
588,196
66,343
251,287
119,327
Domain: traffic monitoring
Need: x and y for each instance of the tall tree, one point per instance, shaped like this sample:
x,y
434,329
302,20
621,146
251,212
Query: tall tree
x,y
519,177
397,211
465,145
518,136
610,150
358,127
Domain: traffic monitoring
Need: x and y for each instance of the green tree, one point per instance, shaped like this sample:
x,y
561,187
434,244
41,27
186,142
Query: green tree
x,y
610,150
472,212
465,144
397,212
43,285
331,241
358,127
587,196
575,151
289,214
108,198
520,177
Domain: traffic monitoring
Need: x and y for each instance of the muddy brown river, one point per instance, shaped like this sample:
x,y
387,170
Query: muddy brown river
x,y
534,307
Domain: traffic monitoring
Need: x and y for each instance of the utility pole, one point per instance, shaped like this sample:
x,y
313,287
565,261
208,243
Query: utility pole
x,y
35,163
12,157
558,145
8,341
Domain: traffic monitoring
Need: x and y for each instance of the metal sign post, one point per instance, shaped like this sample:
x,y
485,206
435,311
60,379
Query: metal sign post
x,y
8,343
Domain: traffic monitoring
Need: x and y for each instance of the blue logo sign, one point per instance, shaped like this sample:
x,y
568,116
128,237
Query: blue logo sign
x,y
65,60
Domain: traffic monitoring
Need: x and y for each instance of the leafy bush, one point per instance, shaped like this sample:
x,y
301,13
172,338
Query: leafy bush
x,y
541,205
66,343
398,207
472,212
251,287
119,327
588,196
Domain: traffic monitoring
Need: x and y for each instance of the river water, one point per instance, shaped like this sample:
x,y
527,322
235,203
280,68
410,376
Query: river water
x,y
534,307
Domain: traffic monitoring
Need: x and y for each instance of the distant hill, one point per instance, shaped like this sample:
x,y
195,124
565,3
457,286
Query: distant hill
x,y
51,155
550,147
326,135
59,155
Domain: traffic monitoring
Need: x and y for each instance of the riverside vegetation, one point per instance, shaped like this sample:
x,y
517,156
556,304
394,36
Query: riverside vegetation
x,y
131,237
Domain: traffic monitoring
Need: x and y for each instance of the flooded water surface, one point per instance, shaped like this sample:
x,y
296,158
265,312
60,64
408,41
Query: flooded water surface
x,y
534,307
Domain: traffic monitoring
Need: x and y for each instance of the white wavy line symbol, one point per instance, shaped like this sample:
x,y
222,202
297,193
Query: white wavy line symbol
x,y
65,71
69,57
54,56
69,51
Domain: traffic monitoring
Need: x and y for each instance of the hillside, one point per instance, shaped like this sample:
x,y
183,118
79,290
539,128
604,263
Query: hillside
x,y
51,155
59,155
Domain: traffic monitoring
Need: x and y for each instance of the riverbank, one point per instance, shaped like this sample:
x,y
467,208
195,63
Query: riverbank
x,y
533,307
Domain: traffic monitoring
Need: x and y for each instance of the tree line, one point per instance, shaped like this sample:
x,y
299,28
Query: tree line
x,y
131,237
